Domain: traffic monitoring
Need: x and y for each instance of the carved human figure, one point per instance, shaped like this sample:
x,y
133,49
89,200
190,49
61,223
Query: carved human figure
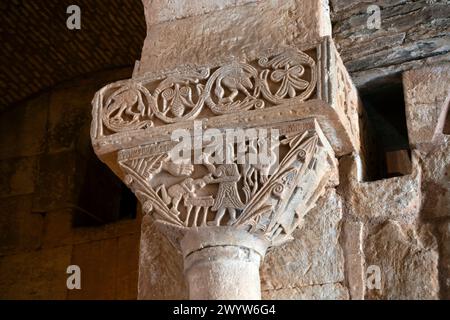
x,y
227,199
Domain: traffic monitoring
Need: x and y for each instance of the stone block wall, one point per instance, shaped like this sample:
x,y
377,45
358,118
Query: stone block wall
x,y
413,33
43,147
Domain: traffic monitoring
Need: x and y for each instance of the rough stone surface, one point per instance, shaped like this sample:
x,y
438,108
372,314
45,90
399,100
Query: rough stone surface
x,y
318,292
109,268
19,176
20,229
314,256
40,52
427,99
38,274
408,261
23,130
56,186
396,198
444,258
160,266
399,224
223,273
121,27
195,41
352,235
436,181
157,11
412,34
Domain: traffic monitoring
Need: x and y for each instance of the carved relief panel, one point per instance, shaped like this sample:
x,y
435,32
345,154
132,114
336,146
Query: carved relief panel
x,y
267,197
157,103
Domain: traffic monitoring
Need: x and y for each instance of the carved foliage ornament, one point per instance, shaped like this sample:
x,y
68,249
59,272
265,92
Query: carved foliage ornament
x,y
267,199
142,103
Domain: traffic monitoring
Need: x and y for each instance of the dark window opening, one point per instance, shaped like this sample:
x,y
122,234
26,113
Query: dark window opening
x,y
387,150
447,122
103,197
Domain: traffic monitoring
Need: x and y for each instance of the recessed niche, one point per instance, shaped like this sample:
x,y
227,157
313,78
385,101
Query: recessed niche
x,y
387,149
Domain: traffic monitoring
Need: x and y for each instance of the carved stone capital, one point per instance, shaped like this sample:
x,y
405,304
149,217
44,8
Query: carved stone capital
x,y
265,199
223,215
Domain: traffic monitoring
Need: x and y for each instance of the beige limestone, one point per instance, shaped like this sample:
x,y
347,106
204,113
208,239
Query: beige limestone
x,y
223,273
157,11
436,181
444,258
328,291
427,97
353,235
314,256
242,32
398,198
160,266
222,263
407,260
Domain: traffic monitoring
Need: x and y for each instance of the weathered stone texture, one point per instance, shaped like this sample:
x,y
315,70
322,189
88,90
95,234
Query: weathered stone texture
x,y
365,223
314,257
56,186
352,241
20,229
39,274
23,129
194,40
436,181
397,198
158,11
427,97
412,33
408,261
160,266
108,267
444,258
334,291
18,176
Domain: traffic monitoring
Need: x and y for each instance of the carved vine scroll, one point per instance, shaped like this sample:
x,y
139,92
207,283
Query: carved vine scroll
x,y
147,102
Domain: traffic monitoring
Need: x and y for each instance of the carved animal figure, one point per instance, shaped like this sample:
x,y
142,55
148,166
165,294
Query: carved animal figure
x,y
123,104
235,80
182,190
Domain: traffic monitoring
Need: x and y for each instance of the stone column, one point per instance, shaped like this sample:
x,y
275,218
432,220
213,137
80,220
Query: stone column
x,y
222,263
206,71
